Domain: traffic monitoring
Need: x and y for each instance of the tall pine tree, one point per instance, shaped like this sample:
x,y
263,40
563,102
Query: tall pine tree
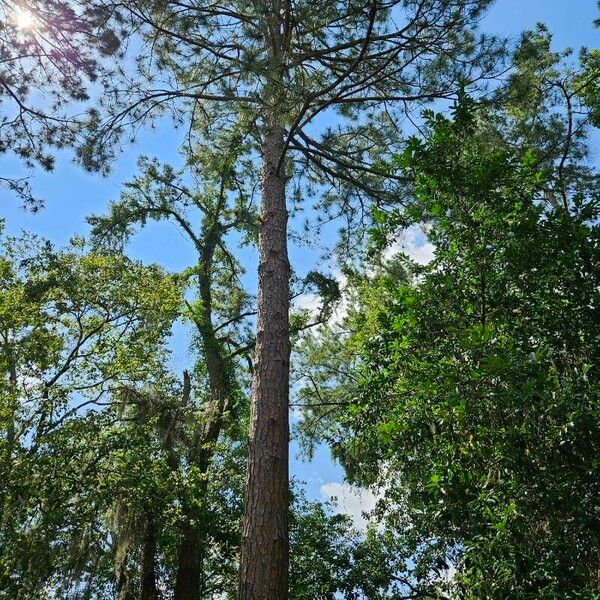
x,y
271,71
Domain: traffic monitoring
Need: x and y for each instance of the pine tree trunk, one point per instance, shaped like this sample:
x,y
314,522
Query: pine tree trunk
x,y
265,545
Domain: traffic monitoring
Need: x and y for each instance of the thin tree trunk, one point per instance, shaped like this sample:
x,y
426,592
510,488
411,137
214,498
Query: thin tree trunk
x,y
265,544
189,567
191,555
11,434
148,575
122,582
192,550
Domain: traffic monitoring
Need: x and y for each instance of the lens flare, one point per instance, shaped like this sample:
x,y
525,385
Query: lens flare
x,y
24,19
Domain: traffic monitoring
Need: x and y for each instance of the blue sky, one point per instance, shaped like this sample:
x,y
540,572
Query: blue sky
x,y
71,194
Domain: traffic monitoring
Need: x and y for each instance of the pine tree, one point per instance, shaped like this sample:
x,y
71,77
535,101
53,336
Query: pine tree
x,y
268,71
51,53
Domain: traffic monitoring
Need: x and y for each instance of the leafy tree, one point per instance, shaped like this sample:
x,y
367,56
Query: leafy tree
x,y
331,559
474,391
75,331
104,447
157,502
218,308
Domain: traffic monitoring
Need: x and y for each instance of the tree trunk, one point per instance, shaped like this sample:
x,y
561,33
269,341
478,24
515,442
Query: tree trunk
x,y
191,555
148,575
122,582
189,567
265,544
10,400
193,539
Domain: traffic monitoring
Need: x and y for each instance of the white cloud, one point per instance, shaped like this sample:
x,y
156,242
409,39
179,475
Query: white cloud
x,y
414,243
313,302
422,254
350,500
309,302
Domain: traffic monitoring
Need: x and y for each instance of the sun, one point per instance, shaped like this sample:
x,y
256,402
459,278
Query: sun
x,y
24,19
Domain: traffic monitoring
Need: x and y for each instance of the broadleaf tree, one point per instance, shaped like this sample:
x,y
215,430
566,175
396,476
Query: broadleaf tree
x,y
468,384
218,309
77,330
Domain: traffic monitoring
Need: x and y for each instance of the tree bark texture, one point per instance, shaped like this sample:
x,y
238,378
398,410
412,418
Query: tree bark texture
x,y
265,545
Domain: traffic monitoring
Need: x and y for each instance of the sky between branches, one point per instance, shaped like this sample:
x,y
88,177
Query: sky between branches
x,y
70,195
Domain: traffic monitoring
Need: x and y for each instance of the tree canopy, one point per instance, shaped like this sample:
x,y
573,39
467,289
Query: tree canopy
x,y
145,411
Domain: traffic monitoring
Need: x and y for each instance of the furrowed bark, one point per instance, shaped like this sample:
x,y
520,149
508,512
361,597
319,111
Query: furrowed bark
x,y
265,545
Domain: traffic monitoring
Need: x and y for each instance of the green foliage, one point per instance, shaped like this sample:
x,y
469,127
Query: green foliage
x,y
474,392
588,84
467,388
76,331
330,558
